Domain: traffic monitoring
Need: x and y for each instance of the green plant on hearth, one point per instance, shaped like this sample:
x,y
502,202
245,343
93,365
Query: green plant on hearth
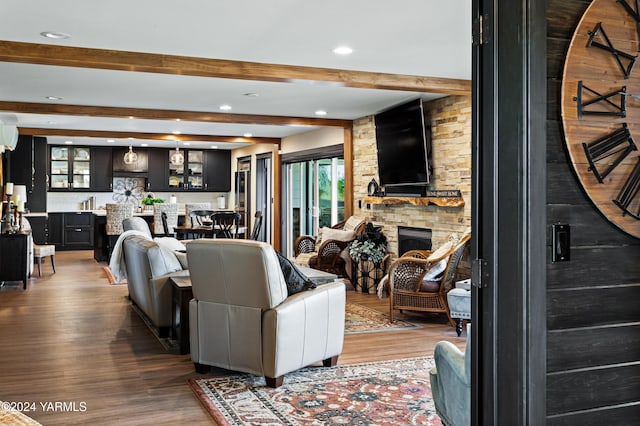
x,y
150,200
371,245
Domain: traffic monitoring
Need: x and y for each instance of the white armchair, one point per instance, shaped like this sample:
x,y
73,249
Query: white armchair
x,y
242,319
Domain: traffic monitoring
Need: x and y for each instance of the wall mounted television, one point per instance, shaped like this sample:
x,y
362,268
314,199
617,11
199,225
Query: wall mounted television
x,y
403,139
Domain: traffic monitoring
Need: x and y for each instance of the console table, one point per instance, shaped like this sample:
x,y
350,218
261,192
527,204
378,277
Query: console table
x,y
182,294
14,257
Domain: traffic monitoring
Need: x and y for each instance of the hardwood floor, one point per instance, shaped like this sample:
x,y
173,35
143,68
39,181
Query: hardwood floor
x,y
73,338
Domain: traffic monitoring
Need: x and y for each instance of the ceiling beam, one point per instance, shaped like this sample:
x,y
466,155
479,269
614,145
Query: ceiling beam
x,y
33,131
80,57
162,114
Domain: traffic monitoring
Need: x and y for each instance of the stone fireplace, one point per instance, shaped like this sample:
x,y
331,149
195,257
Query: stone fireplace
x,y
451,131
410,238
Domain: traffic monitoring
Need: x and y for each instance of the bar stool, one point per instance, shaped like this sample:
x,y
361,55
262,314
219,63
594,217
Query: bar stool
x,y
116,213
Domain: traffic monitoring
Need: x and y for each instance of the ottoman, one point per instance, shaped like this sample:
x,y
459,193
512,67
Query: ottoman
x,y
459,301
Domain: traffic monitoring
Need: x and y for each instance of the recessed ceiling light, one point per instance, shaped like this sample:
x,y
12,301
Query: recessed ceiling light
x,y
251,95
248,135
225,107
144,144
54,98
343,50
68,142
176,132
214,146
321,112
130,139
54,35
110,141
131,117
186,143
178,119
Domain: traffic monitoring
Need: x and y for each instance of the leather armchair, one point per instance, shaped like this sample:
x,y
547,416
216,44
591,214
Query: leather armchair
x,y
451,382
242,319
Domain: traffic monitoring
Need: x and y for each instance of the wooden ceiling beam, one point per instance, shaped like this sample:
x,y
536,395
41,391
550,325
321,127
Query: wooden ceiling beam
x,y
107,134
80,57
162,114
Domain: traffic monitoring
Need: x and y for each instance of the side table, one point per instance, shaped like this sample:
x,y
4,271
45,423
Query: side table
x,y
182,293
14,254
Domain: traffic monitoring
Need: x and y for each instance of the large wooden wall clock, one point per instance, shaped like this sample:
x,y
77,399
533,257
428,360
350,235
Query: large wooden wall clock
x,y
601,109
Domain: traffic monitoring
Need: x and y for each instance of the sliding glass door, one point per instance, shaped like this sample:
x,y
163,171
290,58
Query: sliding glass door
x,y
314,197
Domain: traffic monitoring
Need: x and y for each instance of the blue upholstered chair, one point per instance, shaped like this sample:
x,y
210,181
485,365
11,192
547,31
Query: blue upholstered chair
x,y
459,301
451,382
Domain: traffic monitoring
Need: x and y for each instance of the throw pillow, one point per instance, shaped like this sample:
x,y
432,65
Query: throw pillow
x,y
431,279
162,261
337,234
352,223
296,281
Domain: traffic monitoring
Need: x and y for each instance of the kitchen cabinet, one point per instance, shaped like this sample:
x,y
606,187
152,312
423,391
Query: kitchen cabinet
x,y
141,165
80,168
71,230
27,165
101,169
217,172
203,170
157,175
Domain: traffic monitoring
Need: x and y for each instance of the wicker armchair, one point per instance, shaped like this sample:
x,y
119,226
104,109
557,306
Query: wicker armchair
x,y
329,255
409,291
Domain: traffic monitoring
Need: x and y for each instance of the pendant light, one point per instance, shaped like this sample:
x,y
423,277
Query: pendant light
x,y
130,157
177,157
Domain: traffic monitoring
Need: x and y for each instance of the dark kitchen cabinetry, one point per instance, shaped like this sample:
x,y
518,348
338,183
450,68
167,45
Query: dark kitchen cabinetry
x,y
39,229
157,175
80,168
27,165
71,230
217,172
101,169
141,165
203,170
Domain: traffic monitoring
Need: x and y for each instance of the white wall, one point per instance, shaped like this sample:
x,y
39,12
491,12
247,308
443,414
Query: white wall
x,y
325,136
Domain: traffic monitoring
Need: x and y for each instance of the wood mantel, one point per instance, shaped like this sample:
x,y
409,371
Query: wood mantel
x,y
417,201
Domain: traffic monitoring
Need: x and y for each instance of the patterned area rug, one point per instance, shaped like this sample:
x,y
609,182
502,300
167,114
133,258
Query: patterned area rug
x,y
10,416
360,319
382,393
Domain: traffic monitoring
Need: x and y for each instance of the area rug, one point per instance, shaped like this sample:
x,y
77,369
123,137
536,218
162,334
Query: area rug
x,y
10,414
360,319
111,278
394,392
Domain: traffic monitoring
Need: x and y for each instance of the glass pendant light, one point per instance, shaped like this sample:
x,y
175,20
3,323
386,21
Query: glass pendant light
x,y
130,157
177,157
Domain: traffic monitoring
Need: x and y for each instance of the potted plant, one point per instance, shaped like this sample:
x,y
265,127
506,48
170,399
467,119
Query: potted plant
x,y
150,200
368,251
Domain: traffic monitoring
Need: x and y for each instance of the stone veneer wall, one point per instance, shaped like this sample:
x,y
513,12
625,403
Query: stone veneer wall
x,y
451,138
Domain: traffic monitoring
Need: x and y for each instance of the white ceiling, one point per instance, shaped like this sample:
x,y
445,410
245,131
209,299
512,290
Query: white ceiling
x,y
412,37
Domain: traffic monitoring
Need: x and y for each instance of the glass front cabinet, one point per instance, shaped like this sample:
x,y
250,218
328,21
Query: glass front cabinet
x,y
188,173
69,168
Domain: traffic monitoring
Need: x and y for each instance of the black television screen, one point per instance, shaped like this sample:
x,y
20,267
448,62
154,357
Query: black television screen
x,y
403,139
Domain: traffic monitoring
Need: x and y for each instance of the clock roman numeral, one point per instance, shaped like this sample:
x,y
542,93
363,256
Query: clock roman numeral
x,y
618,55
602,101
619,143
628,199
632,12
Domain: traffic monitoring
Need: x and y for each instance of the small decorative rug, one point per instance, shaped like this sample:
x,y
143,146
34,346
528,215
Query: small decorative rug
x,y
9,415
111,278
360,319
394,392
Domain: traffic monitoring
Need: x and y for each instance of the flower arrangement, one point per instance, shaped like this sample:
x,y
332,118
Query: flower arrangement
x,y
370,245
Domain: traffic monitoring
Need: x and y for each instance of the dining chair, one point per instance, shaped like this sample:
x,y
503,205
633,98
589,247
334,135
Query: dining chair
x,y
201,223
225,224
257,225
